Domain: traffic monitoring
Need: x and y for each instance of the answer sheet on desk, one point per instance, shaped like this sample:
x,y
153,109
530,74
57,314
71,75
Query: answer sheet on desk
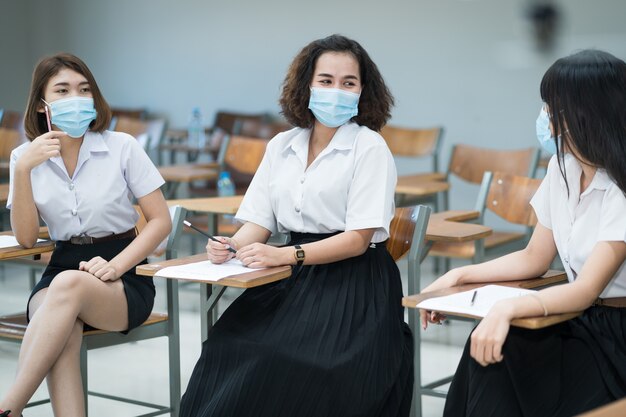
x,y
204,271
10,241
461,302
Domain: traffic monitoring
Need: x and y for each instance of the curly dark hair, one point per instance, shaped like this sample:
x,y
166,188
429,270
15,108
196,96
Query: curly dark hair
x,y
586,95
374,104
35,121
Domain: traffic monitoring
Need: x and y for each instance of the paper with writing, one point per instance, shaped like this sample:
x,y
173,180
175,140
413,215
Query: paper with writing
x,y
204,271
461,303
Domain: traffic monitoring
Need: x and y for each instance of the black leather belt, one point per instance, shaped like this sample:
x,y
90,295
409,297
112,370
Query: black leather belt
x,y
88,240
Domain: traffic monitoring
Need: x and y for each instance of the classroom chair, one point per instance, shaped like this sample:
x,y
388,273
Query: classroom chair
x,y
508,197
10,139
12,120
12,329
406,237
415,143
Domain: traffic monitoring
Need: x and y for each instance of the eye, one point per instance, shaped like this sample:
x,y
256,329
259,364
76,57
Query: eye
x,y
85,90
61,91
325,82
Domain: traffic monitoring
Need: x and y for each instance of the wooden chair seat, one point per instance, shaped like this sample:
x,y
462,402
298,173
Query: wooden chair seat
x,y
466,250
14,326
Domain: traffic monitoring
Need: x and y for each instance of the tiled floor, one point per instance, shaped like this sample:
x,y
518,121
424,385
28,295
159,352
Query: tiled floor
x,y
140,369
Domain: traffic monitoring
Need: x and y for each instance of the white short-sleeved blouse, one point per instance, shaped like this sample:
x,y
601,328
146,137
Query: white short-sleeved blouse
x,y
579,221
349,186
112,168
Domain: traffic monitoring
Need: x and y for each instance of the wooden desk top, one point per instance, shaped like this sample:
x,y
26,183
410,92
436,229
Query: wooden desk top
x,y
615,409
547,279
13,252
216,205
187,173
419,185
446,226
254,278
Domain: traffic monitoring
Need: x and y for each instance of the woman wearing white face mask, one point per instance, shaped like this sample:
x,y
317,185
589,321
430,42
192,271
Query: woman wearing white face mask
x,y
572,367
330,340
79,177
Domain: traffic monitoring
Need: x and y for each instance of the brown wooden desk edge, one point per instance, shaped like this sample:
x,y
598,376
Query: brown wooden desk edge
x,y
548,279
252,279
19,251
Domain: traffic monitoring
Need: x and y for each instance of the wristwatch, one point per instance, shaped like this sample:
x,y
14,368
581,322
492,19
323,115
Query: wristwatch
x,y
299,255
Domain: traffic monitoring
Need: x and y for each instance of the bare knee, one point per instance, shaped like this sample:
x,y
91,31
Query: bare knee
x,y
67,288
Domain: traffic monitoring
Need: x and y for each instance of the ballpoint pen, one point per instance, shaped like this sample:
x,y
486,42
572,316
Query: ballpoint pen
x,y
473,297
186,223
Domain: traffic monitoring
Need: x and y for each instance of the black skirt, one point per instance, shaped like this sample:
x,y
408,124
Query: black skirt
x,y
139,291
328,341
561,370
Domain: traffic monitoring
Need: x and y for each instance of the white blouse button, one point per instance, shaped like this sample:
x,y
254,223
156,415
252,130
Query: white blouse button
x,y
74,212
297,208
71,186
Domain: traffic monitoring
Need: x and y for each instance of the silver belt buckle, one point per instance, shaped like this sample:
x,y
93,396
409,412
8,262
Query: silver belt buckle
x,y
81,240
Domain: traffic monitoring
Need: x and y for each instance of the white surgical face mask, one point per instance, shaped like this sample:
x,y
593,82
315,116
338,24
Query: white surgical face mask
x,y
333,107
544,134
72,115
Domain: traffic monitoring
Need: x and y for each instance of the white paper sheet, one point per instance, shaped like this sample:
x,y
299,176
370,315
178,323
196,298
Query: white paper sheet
x,y
461,302
204,271
9,241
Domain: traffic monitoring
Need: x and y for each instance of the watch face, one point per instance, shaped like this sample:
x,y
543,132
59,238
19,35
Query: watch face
x,y
300,254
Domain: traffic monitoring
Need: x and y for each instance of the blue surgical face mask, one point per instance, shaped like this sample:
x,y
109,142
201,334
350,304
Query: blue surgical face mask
x,y
72,115
544,134
333,107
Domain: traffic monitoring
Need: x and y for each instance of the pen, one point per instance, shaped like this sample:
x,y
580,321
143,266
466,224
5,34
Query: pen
x,y
473,297
186,223
45,109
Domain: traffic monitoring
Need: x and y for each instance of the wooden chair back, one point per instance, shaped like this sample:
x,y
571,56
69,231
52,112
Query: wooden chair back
x,y
470,162
401,232
509,197
244,154
139,129
139,114
260,129
9,140
12,120
227,121
410,142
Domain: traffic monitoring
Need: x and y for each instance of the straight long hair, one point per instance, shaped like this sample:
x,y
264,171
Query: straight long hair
x,y
586,96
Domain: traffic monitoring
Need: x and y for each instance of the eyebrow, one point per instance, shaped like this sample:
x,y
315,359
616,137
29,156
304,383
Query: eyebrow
x,y
348,77
64,83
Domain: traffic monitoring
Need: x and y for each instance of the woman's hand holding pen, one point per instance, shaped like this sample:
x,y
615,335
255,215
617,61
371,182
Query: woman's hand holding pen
x,y
41,149
489,336
100,268
218,252
447,280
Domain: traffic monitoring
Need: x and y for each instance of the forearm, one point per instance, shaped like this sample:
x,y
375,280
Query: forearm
x,y
24,215
514,266
143,245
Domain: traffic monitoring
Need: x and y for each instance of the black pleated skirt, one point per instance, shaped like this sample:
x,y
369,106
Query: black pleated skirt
x,y
558,371
139,291
328,341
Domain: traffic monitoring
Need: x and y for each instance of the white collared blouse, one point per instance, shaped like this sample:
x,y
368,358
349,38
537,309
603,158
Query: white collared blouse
x,y
579,221
112,168
349,186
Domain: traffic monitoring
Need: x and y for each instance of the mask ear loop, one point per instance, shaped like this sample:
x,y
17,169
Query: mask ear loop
x,y
45,109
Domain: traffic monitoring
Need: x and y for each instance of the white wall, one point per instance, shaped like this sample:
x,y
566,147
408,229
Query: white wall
x,y
469,65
